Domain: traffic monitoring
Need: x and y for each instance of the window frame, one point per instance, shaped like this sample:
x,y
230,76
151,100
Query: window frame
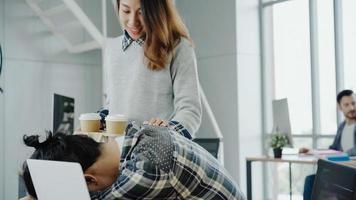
x,y
267,71
266,35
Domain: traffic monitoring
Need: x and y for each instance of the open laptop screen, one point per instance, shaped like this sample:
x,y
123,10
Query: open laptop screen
x,y
334,181
54,180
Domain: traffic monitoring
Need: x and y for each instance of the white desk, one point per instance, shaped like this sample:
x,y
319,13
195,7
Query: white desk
x,y
300,159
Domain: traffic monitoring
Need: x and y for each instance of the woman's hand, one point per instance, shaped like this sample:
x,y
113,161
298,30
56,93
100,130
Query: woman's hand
x,y
156,122
28,197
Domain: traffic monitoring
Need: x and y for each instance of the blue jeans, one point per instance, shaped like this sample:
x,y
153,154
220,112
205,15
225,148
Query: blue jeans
x,y
308,187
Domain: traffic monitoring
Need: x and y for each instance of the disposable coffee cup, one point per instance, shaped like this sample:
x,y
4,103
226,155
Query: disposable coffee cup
x,y
116,124
90,122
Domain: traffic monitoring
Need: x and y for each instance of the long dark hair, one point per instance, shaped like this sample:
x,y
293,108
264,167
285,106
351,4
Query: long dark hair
x,y
60,147
164,29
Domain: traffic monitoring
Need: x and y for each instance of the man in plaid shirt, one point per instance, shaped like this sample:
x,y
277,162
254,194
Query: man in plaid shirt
x,y
156,163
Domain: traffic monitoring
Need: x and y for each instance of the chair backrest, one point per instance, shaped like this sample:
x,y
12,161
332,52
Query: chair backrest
x,y
22,187
334,181
209,144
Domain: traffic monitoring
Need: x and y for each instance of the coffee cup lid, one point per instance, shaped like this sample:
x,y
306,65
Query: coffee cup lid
x,y
117,117
90,116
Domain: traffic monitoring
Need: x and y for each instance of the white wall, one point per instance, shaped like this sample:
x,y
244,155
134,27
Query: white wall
x,y
36,65
227,45
2,113
213,28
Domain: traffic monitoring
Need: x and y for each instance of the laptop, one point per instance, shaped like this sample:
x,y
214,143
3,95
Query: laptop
x,y
334,181
55,180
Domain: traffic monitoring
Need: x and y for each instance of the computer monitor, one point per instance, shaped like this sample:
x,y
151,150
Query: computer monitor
x,y
281,121
63,114
334,181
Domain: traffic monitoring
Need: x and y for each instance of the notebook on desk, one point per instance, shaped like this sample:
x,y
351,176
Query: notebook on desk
x,y
322,152
56,180
290,151
328,154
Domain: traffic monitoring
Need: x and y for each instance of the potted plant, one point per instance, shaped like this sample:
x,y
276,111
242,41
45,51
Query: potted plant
x,y
277,142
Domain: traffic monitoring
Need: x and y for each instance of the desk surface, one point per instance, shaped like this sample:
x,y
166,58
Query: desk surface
x,y
350,163
303,159
296,158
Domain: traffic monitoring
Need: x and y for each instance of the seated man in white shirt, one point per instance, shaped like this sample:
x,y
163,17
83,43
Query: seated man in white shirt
x,y
345,139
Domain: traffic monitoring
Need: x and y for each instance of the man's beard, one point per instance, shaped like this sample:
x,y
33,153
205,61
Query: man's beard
x,y
351,115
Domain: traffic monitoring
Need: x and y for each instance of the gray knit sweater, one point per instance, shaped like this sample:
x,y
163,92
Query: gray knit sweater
x,y
170,94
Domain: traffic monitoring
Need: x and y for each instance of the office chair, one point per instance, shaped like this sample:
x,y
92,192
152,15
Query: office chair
x,y
209,144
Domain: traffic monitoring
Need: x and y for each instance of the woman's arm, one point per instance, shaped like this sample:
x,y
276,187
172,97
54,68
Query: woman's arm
x,y
187,103
28,197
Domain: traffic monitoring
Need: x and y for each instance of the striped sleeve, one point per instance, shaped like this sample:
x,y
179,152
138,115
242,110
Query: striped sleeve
x,y
178,127
139,180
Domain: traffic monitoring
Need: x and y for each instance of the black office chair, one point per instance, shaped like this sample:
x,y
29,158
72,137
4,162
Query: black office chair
x,y
22,188
209,144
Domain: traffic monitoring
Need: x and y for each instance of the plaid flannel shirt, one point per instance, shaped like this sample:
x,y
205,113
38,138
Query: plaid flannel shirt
x,y
173,168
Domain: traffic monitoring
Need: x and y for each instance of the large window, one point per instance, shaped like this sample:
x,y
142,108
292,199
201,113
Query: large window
x,y
313,45
326,58
349,37
292,62
303,61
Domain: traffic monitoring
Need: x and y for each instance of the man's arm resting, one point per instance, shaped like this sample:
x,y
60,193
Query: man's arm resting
x,y
352,152
138,179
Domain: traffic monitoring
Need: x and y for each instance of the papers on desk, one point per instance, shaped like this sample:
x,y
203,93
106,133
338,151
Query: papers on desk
x,y
329,154
290,151
323,152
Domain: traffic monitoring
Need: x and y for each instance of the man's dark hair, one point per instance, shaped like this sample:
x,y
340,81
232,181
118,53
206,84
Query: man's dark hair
x,y
342,94
60,147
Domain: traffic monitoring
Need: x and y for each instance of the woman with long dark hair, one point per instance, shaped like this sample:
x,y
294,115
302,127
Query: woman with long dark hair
x,y
150,72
